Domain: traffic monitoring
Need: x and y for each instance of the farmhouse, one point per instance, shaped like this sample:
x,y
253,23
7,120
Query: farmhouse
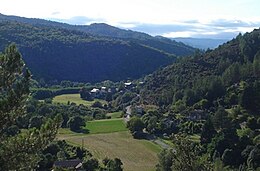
x,y
95,92
129,85
68,164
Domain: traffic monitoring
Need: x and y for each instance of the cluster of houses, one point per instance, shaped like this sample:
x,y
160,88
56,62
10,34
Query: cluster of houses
x,y
101,92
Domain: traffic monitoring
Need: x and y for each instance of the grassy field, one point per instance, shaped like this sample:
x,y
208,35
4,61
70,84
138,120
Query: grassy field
x,y
106,126
136,155
75,98
115,114
110,138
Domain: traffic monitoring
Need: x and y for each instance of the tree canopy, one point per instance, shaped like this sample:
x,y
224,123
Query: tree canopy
x,y
19,151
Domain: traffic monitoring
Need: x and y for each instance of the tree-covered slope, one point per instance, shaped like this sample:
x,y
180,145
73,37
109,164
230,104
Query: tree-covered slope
x,y
219,76
215,97
56,53
158,42
105,30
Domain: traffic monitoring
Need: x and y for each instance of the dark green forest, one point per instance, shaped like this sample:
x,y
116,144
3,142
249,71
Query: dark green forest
x,y
215,95
56,51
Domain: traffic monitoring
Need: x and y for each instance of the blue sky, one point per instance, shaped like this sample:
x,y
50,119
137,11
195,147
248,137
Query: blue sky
x,y
170,18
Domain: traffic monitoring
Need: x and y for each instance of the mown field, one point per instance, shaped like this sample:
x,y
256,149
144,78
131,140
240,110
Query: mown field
x,y
75,98
110,138
106,126
136,155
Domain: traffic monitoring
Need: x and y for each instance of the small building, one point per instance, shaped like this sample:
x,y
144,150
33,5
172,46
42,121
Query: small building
x,y
95,93
94,90
75,164
103,91
128,85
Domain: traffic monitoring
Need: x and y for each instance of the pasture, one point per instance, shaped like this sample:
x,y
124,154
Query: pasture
x,y
136,155
110,138
106,126
75,98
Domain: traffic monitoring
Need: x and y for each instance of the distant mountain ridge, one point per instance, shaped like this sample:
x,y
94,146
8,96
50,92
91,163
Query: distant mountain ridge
x,y
105,30
58,51
201,43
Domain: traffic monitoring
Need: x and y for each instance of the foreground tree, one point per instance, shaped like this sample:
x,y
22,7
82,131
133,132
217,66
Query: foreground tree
x,y
20,151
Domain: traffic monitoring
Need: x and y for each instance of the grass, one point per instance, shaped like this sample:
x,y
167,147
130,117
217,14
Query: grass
x,y
106,126
110,138
136,155
75,98
65,133
151,146
115,114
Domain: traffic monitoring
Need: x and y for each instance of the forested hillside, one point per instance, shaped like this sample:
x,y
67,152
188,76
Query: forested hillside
x,y
60,54
215,97
213,75
158,42
57,51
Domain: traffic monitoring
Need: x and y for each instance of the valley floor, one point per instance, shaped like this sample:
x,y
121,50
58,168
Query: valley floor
x,y
136,155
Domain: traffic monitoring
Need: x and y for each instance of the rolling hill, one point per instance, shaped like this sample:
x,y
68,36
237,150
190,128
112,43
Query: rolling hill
x,y
157,42
58,51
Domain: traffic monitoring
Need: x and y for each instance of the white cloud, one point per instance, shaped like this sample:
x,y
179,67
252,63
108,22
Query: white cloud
x,y
188,34
240,29
179,34
143,11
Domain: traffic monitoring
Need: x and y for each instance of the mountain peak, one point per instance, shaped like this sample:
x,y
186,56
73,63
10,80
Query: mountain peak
x,y
101,25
